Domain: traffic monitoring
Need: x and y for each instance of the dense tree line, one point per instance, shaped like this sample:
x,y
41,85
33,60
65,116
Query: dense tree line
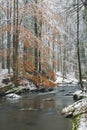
x,y
39,36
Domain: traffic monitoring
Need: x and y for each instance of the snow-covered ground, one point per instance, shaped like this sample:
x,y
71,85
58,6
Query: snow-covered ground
x,y
4,74
70,78
83,123
78,110
28,85
13,96
25,83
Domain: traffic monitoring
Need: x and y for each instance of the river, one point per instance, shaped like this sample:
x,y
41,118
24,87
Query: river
x,y
36,112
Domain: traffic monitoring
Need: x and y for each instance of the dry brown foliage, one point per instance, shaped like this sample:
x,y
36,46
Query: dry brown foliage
x,y
41,80
29,67
50,74
52,22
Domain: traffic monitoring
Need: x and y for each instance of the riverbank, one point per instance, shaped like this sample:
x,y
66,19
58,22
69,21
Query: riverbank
x,y
77,111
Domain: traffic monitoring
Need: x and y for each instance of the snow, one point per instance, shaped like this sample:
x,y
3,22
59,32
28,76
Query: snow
x,y
26,84
59,79
13,96
5,71
3,74
83,123
70,78
76,108
77,92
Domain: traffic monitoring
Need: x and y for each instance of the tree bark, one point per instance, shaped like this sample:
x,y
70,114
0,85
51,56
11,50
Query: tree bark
x,y
2,44
3,51
15,42
8,37
78,48
36,46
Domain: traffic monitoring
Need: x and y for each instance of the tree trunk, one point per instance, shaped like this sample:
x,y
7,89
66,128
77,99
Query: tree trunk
x,y
15,42
2,43
8,37
64,63
53,56
38,27
3,51
36,46
78,49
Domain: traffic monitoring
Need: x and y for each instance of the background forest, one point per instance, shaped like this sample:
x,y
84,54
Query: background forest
x,y
39,38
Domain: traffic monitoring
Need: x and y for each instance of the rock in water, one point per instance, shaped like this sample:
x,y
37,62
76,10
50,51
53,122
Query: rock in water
x,y
76,108
79,95
13,96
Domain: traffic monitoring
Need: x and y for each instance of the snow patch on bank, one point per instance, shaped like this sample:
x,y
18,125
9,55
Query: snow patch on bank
x,y
70,78
13,96
4,74
83,123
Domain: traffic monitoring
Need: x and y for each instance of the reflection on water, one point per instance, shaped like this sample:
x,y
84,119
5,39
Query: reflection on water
x,y
44,115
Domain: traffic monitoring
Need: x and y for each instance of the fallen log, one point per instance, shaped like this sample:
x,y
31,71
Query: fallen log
x,y
76,108
78,111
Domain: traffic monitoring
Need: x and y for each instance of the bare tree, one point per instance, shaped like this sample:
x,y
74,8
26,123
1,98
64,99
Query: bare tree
x,y
9,9
15,41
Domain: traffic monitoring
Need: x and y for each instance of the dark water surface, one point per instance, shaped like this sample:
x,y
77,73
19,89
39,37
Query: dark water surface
x,y
44,115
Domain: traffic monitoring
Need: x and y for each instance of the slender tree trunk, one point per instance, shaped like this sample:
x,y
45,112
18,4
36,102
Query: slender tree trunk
x,y
85,21
64,63
8,37
53,56
2,43
3,50
40,61
39,35
15,42
36,46
78,48
38,27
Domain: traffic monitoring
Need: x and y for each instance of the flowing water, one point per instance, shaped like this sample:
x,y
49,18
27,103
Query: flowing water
x,y
36,111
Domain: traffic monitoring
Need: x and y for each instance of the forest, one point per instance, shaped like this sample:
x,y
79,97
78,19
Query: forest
x,y
40,38
43,51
